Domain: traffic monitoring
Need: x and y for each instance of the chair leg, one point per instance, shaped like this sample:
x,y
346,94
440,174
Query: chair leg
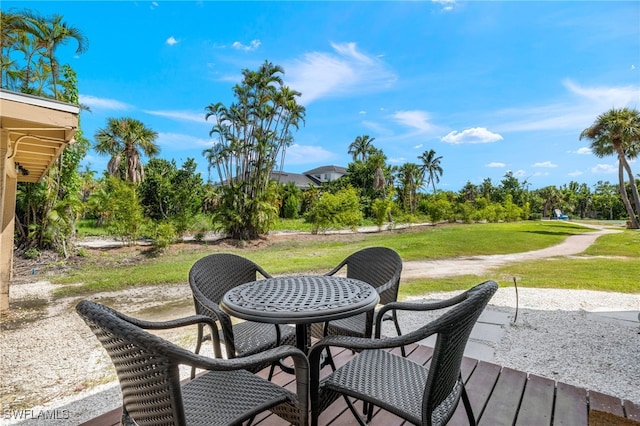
x,y
354,411
467,407
198,346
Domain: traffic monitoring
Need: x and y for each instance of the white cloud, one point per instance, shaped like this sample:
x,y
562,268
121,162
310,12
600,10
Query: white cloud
x,y
418,120
519,173
418,146
398,160
545,164
605,169
307,154
198,117
172,41
579,108
472,135
103,103
252,46
343,72
447,5
576,173
584,151
495,164
181,142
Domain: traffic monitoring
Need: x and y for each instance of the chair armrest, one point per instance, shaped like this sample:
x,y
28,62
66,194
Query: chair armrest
x,y
337,268
414,306
175,323
300,363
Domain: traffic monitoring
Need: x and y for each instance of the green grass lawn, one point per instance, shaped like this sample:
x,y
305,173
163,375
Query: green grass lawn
x,y
318,255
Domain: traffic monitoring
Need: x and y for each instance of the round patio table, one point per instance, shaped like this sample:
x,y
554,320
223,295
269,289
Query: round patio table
x,y
300,300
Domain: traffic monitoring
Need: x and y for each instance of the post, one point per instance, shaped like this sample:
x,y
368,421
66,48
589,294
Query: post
x,y
8,187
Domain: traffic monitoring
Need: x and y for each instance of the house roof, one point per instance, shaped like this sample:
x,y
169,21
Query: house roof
x,y
38,129
301,181
326,169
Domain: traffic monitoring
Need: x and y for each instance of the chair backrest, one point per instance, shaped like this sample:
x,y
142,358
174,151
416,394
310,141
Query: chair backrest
x,y
217,273
148,375
453,328
378,266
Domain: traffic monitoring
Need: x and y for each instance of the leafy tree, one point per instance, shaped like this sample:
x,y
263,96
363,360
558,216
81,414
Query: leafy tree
x,y
617,132
124,139
606,201
431,168
173,194
126,218
361,147
252,135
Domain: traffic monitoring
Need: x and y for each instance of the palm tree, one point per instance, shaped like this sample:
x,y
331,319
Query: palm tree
x,y
49,34
431,167
617,132
410,178
123,139
361,146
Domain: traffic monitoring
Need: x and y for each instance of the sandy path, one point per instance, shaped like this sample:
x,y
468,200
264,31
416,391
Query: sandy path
x,y
477,265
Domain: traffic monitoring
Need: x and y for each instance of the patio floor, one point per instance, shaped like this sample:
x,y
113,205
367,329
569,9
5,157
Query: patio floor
x,y
499,396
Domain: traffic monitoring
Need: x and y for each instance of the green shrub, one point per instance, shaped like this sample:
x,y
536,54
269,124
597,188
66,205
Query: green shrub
x,y
335,211
32,253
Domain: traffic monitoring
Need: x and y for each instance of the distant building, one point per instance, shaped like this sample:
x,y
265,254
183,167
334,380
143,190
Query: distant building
x,y
314,177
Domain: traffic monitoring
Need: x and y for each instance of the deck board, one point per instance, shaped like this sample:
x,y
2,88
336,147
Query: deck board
x,y
537,402
498,396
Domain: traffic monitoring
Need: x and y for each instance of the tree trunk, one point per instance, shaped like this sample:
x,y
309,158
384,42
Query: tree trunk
x,y
623,194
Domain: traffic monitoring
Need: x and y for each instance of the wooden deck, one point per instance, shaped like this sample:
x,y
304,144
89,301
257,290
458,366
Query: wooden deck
x,y
499,396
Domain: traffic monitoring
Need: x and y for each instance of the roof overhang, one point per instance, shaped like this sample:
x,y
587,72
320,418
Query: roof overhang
x,y
38,131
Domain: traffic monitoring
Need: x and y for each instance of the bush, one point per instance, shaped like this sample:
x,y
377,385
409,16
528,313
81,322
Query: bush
x,y
32,253
162,234
335,211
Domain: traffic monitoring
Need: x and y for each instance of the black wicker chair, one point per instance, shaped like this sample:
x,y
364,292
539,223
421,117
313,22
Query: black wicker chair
x,y
210,278
421,395
152,393
378,266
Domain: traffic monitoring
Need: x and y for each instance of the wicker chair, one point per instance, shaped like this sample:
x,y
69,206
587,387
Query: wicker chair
x,y
210,278
421,395
148,371
379,267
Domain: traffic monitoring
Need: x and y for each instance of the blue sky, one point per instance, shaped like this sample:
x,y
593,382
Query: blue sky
x,y
490,86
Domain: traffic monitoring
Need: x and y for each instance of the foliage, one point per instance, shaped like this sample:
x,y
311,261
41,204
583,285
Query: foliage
x,y
252,135
162,234
335,211
171,194
29,45
431,168
126,218
381,210
617,132
124,139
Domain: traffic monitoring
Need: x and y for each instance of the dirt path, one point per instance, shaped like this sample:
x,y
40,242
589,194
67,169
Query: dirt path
x,y
477,265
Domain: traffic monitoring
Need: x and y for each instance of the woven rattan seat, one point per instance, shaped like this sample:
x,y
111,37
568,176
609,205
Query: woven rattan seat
x,y
148,371
419,394
381,268
210,278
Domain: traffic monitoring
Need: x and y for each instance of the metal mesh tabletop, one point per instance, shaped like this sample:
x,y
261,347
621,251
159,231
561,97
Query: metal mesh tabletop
x,y
299,299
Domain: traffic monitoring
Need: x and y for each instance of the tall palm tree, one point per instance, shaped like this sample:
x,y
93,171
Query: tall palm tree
x,y
124,139
617,132
410,178
431,168
362,147
50,33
